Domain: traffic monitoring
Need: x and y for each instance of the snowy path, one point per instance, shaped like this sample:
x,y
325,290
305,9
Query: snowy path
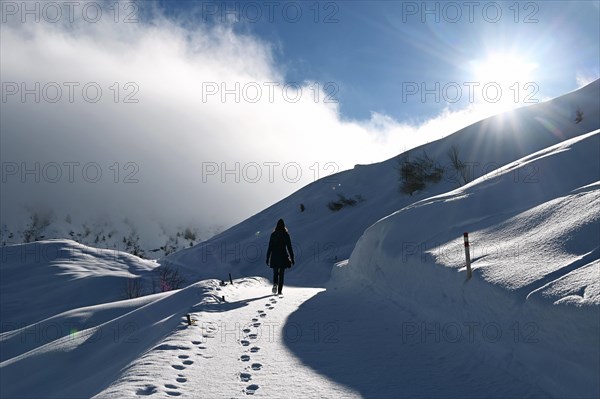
x,y
311,343
339,343
236,348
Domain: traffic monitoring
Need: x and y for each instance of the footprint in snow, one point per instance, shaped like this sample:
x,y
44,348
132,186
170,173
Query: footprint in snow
x,y
167,347
244,342
256,324
147,390
178,367
196,342
273,300
188,362
211,328
246,330
254,319
261,311
254,349
245,377
245,358
170,386
253,336
183,356
251,389
173,393
256,366
181,379
263,315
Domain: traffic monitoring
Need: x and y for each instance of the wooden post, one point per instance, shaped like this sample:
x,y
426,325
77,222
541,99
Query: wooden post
x,y
223,298
468,255
230,280
189,319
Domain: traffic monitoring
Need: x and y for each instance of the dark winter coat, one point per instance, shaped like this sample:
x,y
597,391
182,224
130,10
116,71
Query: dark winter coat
x,y
277,256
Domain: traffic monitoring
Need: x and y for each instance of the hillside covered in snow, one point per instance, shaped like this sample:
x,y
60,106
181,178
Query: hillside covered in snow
x,y
322,237
378,303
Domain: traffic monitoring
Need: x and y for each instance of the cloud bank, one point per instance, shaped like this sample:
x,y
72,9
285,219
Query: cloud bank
x,y
162,123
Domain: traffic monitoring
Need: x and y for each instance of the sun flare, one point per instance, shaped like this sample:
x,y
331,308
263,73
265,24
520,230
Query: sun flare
x,y
504,69
507,81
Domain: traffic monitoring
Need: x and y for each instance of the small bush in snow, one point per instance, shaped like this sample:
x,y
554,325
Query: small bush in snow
x,y
578,116
167,279
459,166
133,288
344,201
414,175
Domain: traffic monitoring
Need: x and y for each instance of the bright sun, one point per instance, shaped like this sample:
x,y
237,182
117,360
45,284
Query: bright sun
x,y
507,81
504,69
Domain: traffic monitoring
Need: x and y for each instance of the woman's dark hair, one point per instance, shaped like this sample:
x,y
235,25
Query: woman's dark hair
x,y
280,226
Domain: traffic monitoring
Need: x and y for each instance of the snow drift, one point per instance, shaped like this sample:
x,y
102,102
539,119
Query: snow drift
x,y
535,248
44,278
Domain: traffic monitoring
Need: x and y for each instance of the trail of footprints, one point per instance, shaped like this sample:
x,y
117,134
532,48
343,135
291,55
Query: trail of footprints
x,y
249,336
208,332
183,361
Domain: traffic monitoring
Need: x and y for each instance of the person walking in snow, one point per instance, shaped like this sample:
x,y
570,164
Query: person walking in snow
x,y
280,255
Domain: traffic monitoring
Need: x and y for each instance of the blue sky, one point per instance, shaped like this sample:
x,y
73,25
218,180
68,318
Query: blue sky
x,y
369,49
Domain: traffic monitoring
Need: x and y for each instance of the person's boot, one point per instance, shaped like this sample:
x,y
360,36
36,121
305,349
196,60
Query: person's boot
x,y
274,290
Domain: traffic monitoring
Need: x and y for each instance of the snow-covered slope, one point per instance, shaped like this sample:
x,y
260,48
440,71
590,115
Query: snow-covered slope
x,y
535,248
41,279
84,362
322,237
22,340
523,233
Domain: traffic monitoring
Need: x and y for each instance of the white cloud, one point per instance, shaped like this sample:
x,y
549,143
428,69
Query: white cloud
x,y
173,133
585,78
